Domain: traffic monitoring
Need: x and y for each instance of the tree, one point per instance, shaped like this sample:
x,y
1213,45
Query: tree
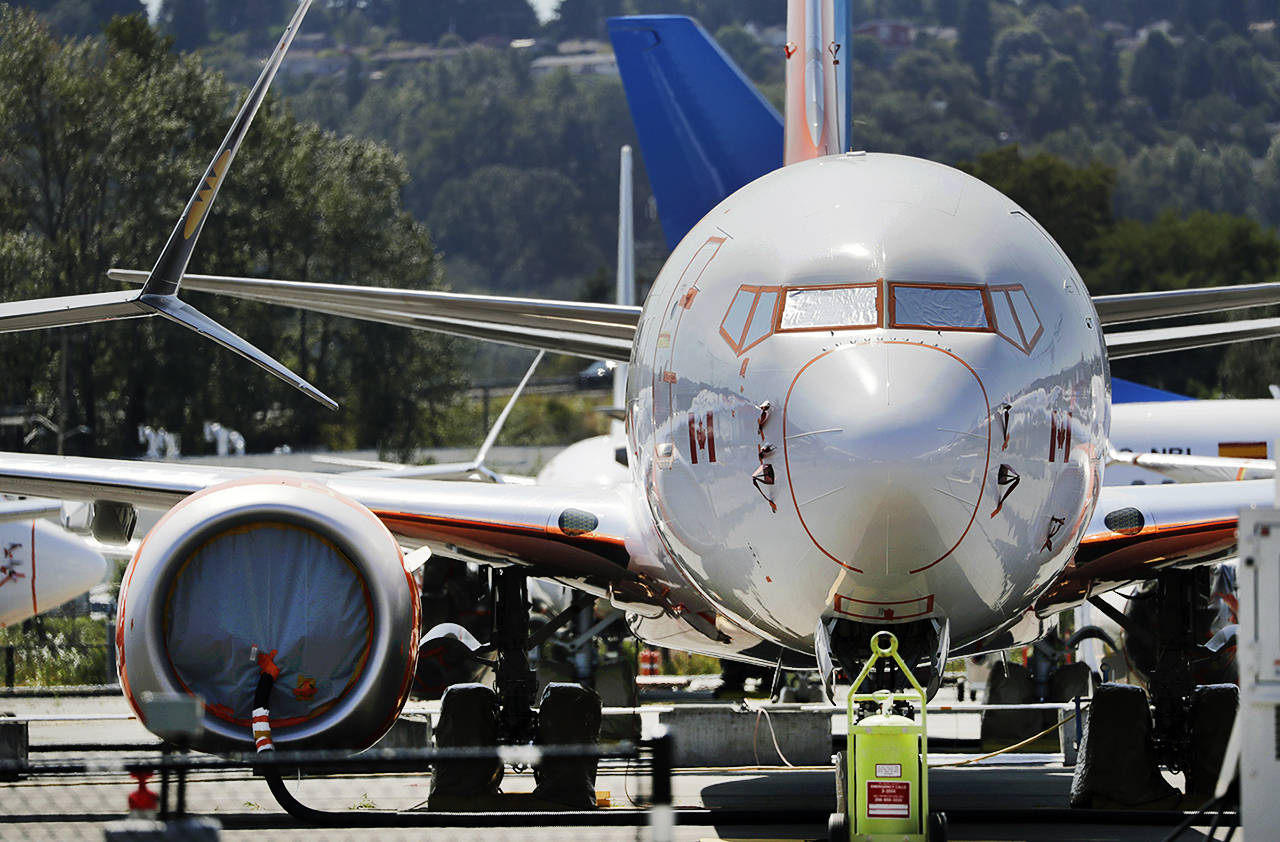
x,y
1149,77
976,36
1060,99
1073,204
1019,56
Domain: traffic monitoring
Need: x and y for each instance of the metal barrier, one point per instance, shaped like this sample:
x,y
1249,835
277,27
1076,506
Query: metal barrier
x,y
177,771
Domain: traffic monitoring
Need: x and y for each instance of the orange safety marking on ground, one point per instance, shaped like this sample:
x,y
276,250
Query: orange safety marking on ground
x,y
670,377
686,300
742,372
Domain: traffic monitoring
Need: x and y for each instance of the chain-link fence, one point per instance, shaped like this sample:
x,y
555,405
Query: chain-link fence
x,y
70,794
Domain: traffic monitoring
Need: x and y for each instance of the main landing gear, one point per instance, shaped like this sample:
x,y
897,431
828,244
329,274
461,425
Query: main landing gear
x,y
1187,727
475,715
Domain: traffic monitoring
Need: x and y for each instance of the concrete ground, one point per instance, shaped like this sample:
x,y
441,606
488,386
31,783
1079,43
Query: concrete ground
x,y
1013,797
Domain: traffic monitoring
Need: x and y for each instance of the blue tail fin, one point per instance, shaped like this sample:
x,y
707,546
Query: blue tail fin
x,y
1126,391
704,129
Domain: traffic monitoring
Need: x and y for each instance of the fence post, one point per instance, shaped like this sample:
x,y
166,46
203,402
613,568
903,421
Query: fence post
x,y
662,817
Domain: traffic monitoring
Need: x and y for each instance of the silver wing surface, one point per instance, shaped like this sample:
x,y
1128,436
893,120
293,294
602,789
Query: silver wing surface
x,y
595,331
584,538
607,331
1181,467
1139,530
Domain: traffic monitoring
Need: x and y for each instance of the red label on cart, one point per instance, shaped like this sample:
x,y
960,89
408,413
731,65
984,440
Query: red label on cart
x,y
888,799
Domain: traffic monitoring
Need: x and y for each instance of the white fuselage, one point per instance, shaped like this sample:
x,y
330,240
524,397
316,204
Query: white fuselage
x,y
912,331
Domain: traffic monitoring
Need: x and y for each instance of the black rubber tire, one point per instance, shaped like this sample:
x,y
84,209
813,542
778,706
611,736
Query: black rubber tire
x,y
1116,768
1213,711
936,827
569,714
468,717
838,827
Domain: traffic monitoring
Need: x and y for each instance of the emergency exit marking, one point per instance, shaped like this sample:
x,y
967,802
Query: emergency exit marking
x,y
888,770
888,799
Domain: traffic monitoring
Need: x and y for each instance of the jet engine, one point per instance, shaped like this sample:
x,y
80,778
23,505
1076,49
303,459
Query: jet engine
x,y
272,573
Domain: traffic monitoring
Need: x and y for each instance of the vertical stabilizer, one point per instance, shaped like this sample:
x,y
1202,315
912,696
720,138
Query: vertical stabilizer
x,y
818,92
704,129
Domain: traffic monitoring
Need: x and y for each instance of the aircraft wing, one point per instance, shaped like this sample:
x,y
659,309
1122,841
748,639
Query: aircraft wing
x,y
541,529
1139,530
594,331
1181,467
606,331
1164,304
1137,343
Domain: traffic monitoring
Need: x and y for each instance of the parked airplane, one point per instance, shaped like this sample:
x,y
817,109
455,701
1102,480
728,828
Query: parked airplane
x,y
865,390
41,564
706,132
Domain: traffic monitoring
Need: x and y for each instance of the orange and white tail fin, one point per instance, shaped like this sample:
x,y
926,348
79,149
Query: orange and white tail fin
x,y
818,94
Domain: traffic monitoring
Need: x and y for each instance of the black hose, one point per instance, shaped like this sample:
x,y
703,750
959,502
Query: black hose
x,y
263,694
1091,632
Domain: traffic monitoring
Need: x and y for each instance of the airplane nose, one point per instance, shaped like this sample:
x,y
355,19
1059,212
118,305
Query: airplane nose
x,y
887,446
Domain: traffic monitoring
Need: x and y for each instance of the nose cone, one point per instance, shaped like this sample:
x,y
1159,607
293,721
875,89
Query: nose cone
x,y
887,446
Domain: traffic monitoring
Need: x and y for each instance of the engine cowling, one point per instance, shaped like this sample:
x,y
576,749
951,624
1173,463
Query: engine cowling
x,y
294,571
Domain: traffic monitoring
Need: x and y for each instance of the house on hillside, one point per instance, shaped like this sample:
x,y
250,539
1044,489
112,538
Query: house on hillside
x,y
891,34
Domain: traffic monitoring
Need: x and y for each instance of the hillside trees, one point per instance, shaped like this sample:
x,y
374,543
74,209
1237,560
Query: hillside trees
x,y
101,142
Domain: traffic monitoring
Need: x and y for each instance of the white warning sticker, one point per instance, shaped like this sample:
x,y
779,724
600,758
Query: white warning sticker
x,y
888,770
888,799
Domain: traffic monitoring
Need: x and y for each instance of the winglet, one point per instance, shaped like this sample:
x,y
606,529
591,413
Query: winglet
x,y
184,314
167,273
159,292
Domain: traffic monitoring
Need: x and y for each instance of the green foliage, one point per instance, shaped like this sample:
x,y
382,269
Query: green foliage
x,y
52,650
534,420
1073,204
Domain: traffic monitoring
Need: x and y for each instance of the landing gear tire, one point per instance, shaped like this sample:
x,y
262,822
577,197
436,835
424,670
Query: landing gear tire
x,y
569,714
1213,711
1117,768
936,827
838,827
468,717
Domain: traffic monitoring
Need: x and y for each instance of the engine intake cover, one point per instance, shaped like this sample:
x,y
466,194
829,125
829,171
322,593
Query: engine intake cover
x,y
284,568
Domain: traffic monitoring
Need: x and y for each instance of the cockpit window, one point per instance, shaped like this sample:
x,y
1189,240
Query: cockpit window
x,y
939,307
1016,319
830,307
750,317
761,324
